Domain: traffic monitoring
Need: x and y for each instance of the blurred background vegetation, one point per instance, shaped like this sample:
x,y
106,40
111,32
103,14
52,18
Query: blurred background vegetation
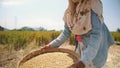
x,y
18,38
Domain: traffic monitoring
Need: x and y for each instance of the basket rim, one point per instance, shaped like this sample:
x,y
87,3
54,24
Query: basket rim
x,y
42,51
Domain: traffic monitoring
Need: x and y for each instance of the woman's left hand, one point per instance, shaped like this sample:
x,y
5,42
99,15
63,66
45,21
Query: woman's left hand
x,y
78,64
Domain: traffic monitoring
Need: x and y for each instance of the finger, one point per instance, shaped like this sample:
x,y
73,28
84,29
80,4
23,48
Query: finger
x,y
44,47
73,66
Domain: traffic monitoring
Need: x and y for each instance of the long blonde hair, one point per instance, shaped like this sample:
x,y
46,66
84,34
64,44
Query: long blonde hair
x,y
72,7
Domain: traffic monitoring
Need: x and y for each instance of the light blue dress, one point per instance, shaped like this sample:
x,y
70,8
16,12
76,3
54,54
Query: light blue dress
x,y
98,41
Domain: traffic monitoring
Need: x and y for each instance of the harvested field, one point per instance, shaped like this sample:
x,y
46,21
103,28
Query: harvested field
x,y
113,60
50,60
10,60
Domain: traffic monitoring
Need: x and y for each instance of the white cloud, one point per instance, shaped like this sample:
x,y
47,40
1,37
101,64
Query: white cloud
x,y
12,3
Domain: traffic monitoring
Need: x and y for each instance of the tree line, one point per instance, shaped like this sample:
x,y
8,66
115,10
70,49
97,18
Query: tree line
x,y
34,29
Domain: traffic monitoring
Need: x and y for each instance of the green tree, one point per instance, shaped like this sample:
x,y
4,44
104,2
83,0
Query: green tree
x,y
118,30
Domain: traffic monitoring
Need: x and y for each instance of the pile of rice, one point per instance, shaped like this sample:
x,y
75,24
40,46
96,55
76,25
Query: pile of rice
x,y
50,60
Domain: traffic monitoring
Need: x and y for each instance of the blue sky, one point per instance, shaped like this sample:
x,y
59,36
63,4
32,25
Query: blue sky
x,y
49,13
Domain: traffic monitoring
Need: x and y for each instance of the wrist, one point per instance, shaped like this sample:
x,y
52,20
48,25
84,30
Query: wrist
x,y
82,64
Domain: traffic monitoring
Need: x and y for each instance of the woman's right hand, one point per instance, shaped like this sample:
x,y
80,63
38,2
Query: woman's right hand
x,y
47,47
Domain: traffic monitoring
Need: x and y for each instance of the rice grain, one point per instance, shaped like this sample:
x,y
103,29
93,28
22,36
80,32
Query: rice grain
x,y
50,60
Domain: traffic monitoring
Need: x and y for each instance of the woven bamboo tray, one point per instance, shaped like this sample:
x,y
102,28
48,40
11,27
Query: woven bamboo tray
x,y
39,52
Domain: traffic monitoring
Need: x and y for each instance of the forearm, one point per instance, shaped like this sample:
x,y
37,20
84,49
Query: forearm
x,y
61,38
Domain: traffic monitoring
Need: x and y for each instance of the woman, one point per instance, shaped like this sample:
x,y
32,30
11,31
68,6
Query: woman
x,y
84,19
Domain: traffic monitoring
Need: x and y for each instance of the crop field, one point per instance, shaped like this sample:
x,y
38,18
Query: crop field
x,y
19,39
16,44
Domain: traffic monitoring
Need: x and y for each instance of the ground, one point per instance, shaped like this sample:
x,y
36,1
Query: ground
x,y
10,58
113,60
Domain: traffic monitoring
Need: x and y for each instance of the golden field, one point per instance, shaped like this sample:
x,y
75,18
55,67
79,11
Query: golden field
x,y
16,44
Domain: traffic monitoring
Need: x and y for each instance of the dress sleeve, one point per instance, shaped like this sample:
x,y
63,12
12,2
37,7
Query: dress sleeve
x,y
61,38
94,42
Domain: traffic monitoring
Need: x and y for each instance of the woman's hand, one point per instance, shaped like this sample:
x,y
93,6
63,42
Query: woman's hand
x,y
78,64
47,47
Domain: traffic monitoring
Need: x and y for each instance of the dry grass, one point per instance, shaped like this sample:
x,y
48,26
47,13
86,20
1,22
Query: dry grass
x,y
10,60
113,60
